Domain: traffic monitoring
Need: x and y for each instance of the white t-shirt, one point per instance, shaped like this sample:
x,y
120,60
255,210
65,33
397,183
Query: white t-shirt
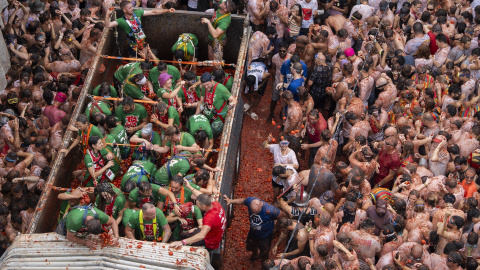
x,y
308,10
256,69
289,158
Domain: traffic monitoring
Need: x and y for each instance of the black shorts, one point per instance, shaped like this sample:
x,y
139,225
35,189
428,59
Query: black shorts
x,y
276,185
261,244
261,90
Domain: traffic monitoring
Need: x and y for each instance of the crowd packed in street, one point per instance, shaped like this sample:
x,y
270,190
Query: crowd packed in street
x,y
377,104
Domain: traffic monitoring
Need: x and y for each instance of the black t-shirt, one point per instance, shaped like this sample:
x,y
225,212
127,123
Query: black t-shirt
x,y
79,25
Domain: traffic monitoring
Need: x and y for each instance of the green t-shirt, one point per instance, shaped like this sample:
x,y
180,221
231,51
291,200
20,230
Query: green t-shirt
x,y
102,107
123,23
172,113
176,166
132,119
139,200
229,83
124,71
168,101
113,91
141,153
132,90
120,135
222,23
191,222
154,73
84,136
110,140
134,172
221,95
118,204
185,139
87,159
127,214
186,42
134,223
74,223
199,122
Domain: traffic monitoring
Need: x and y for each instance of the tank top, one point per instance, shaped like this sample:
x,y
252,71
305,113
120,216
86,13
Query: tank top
x,y
294,28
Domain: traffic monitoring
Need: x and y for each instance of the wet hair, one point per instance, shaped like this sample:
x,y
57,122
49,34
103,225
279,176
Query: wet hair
x,y
129,186
367,224
82,118
454,150
449,198
172,130
111,121
458,221
399,223
201,135
128,101
472,238
302,262
277,170
441,37
330,264
94,226
472,264
454,257
204,199
144,186
93,140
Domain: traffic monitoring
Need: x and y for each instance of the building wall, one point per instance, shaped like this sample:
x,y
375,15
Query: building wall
x,y
4,55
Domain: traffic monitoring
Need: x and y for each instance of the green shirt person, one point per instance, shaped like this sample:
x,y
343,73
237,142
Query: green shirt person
x,y
217,28
223,78
85,131
185,49
119,133
84,220
190,93
179,165
178,142
149,193
159,69
99,106
131,24
148,224
167,93
122,73
140,170
131,115
199,127
166,116
98,163
186,43
214,102
111,200
105,90
132,86
190,217
146,139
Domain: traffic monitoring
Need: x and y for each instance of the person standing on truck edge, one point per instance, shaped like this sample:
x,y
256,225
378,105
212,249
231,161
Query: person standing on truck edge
x,y
85,131
262,220
214,224
217,28
131,24
214,102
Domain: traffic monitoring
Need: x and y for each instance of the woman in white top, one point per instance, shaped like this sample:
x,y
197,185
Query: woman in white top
x,y
282,155
423,56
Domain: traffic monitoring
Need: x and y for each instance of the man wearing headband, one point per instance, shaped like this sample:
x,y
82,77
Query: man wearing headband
x,y
217,28
132,86
11,162
131,24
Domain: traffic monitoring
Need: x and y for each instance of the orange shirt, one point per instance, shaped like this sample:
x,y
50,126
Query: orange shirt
x,y
469,188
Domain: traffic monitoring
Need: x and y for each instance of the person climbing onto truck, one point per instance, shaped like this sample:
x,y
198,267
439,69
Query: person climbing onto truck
x,y
150,193
131,24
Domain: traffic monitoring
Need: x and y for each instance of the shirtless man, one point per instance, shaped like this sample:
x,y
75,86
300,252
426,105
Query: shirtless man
x,y
365,243
448,201
448,230
359,127
391,241
299,244
388,93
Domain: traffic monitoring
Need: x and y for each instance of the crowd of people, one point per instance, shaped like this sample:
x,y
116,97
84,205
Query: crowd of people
x,y
375,166
376,163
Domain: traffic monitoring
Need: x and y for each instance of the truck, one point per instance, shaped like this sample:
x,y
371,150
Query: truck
x,y
41,246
